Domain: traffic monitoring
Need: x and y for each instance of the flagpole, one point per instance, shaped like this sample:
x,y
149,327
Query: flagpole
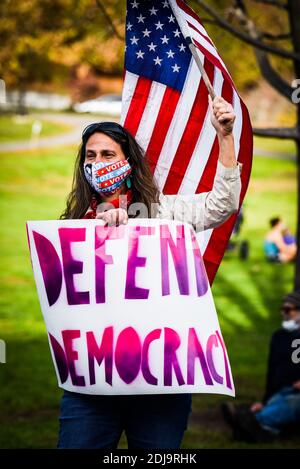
x,y
193,48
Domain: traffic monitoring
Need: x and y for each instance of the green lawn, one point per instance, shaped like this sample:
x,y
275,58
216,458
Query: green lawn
x,y
275,144
14,128
247,296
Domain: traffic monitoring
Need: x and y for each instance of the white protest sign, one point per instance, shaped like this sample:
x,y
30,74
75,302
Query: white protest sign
x,y
128,309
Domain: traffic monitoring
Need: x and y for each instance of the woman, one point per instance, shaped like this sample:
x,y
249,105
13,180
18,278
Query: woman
x,y
279,244
112,182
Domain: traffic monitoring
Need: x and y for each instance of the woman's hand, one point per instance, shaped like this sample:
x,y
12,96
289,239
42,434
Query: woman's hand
x,y
222,115
114,217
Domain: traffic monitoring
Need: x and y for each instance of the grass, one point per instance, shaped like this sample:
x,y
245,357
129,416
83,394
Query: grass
x,y
14,128
275,144
247,296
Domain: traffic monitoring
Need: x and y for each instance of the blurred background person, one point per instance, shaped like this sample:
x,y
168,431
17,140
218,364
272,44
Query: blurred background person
x,y
279,243
280,408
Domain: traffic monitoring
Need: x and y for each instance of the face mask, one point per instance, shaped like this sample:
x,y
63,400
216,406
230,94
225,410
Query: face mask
x,y
106,178
290,325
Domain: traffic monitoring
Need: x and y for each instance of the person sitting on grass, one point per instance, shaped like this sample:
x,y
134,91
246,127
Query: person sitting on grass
x,y
279,244
280,409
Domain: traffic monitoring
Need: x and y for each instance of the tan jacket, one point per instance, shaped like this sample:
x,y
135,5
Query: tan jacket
x,y
208,209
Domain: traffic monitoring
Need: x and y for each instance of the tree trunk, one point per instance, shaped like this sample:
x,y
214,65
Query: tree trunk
x,y
294,15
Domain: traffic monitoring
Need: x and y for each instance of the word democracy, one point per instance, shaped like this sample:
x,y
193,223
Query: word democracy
x,y
112,352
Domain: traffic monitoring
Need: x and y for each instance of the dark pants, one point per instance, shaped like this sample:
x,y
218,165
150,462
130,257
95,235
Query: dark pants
x,y
149,421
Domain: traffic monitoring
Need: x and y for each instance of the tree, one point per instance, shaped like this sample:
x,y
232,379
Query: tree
x,y
44,41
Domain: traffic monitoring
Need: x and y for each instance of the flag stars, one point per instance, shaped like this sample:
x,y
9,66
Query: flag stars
x,y
140,54
152,47
153,11
164,39
155,52
157,61
175,68
146,32
159,25
141,18
134,40
170,54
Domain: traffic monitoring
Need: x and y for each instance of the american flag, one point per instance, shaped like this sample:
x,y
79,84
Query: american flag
x,y
165,106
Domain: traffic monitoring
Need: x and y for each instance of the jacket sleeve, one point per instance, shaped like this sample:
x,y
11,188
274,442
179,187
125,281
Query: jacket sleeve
x,y
208,209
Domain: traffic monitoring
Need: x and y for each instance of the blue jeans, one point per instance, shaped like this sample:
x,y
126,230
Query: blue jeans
x,y
281,409
149,421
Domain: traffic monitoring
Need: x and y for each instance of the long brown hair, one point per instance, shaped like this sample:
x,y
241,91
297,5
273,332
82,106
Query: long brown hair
x,y
144,187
